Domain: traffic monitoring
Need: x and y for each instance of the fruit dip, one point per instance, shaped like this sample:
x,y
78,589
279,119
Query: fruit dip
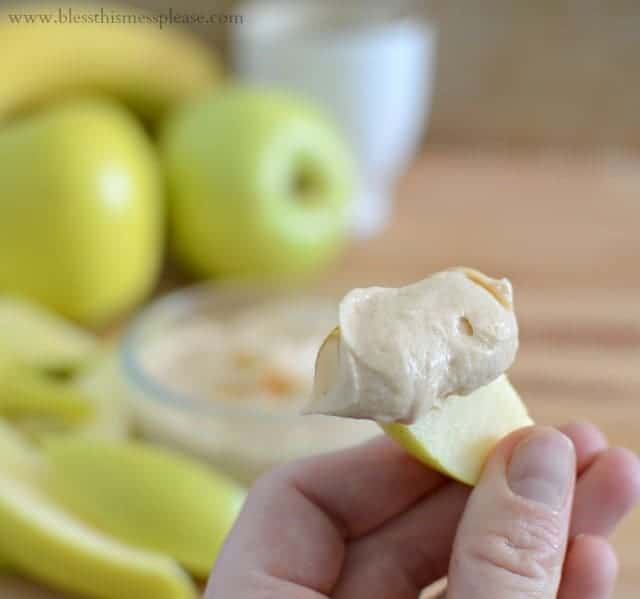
x,y
225,374
398,353
262,356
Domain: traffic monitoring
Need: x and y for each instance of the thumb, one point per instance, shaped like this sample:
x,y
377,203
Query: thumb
x,y
512,538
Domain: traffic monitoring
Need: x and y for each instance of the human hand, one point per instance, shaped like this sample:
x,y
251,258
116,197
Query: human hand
x,y
373,522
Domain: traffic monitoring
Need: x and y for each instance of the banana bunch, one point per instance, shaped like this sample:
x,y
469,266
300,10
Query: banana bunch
x,y
150,69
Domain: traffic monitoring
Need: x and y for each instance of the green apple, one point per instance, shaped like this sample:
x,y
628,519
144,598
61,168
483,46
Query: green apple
x,y
146,497
61,345
259,184
81,213
457,438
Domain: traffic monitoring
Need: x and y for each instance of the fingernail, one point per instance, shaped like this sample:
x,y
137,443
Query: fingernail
x,y
542,468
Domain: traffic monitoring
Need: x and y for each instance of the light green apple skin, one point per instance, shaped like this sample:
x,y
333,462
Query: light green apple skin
x,y
42,540
231,161
81,213
145,497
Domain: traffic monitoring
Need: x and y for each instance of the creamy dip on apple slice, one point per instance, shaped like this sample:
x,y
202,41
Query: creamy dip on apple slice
x,y
398,353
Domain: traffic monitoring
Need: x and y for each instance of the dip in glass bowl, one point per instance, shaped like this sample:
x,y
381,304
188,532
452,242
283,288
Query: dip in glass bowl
x,y
224,371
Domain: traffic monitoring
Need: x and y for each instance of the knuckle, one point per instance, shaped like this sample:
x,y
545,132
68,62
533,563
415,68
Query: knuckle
x,y
526,555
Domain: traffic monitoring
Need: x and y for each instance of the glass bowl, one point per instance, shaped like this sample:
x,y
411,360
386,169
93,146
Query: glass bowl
x,y
243,438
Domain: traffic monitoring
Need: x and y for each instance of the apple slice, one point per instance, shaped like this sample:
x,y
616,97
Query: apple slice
x,y
457,437
38,337
42,540
104,386
17,458
454,438
27,392
146,497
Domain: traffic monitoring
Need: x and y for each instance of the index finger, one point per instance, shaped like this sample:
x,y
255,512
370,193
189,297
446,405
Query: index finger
x,y
363,487
297,519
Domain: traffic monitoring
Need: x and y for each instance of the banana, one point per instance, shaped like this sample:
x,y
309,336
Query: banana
x,y
149,68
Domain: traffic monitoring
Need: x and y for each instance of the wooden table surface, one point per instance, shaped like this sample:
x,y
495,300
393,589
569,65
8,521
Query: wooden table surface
x,y
566,230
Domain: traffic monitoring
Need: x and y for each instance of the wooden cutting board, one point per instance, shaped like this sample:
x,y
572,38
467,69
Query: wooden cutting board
x,y
566,230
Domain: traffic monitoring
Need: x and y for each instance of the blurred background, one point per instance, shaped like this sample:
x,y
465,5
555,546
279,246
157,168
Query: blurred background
x,y
187,191
547,73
